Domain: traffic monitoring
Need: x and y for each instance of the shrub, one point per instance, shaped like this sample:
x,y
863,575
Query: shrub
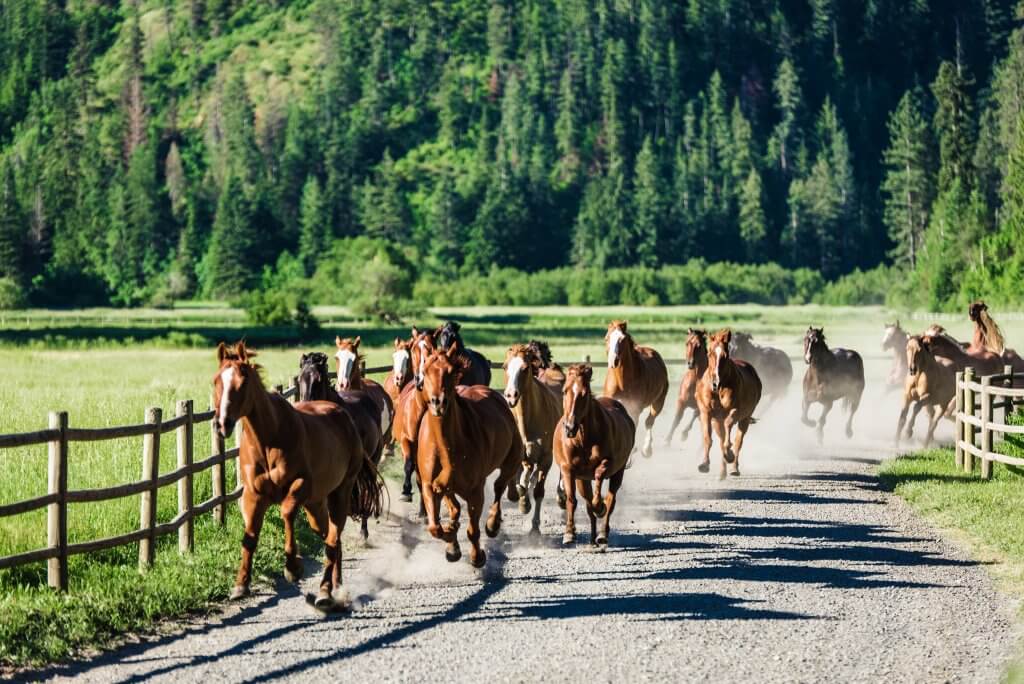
x,y
12,295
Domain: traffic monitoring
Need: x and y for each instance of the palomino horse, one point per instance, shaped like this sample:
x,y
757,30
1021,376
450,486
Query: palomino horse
x,y
727,395
929,383
831,374
773,365
593,440
945,347
545,368
410,407
637,377
467,433
536,411
308,455
350,377
988,336
696,364
477,369
314,385
895,338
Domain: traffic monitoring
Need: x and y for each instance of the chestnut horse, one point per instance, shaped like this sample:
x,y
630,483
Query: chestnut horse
x,y
593,440
895,338
467,433
988,336
929,383
696,364
773,365
637,377
350,377
314,385
477,369
945,346
544,367
831,374
401,370
727,395
536,412
410,407
308,455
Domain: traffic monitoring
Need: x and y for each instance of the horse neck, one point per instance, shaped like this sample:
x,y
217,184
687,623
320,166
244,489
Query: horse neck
x,y
700,364
528,403
593,422
355,378
727,371
616,377
266,421
899,345
824,358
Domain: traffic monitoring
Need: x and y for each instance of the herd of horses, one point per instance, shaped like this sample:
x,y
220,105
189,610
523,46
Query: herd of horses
x,y
321,454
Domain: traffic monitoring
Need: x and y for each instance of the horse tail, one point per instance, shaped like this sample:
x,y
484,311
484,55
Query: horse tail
x,y
369,491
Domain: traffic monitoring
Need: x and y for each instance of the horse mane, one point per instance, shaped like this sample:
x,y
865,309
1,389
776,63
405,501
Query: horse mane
x,y
351,343
522,350
580,369
239,353
617,323
936,330
991,334
542,352
316,359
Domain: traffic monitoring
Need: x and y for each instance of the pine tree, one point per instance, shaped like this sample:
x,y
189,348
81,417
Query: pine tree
x,y
231,266
752,219
788,100
649,218
315,224
382,208
12,228
954,126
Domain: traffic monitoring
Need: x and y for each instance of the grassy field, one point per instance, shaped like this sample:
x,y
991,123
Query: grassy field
x,y
105,367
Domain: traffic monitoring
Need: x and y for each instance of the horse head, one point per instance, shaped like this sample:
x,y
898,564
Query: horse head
x,y
696,348
348,358
617,342
916,346
448,336
975,310
401,360
313,377
519,359
890,338
440,375
576,396
741,344
422,347
718,351
236,380
814,343
541,355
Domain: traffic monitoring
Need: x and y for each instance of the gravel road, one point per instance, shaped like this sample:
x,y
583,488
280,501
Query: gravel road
x,y
800,570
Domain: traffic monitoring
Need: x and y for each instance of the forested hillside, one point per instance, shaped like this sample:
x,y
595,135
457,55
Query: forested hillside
x,y
162,149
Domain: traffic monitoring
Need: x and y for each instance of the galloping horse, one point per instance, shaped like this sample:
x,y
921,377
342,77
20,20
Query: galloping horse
x,y
536,412
315,386
945,347
929,383
593,440
895,338
773,365
831,374
477,369
727,394
410,407
988,336
544,367
467,433
401,370
308,455
350,377
637,377
696,363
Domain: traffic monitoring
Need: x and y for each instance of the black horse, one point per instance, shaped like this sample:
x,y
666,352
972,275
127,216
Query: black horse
x,y
831,374
315,385
773,365
479,370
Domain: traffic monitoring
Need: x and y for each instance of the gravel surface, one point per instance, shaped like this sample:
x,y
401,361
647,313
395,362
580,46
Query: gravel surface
x,y
802,569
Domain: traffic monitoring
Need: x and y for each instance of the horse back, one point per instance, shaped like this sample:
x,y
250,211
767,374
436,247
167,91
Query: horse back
x,y
621,430
365,415
750,386
479,371
330,449
408,414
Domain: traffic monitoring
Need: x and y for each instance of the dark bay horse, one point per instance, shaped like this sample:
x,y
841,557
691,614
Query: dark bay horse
x,y
832,374
593,440
988,337
410,408
773,365
895,339
305,456
696,364
314,385
350,377
545,368
929,384
467,433
536,411
477,369
727,395
637,377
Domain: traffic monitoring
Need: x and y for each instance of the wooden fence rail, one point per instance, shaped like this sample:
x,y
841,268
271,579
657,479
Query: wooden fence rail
x,y
977,400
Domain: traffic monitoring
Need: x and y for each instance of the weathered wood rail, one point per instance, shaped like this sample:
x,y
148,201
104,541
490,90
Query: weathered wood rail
x,y
977,401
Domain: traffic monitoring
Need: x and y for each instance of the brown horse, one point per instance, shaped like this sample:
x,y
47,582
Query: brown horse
x,y
696,364
637,377
545,368
410,407
593,440
401,370
536,412
988,337
929,384
831,374
467,433
727,395
350,377
945,346
314,385
773,365
308,455
895,338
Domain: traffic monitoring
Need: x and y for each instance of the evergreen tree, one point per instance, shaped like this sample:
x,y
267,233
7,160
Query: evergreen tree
x,y
315,223
12,227
382,208
954,125
650,212
231,266
752,219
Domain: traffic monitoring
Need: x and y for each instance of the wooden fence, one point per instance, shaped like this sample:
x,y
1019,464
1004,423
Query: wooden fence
x,y
977,403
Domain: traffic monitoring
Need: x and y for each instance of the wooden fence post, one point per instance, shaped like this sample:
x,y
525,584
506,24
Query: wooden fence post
x,y
57,513
986,430
295,384
186,533
279,389
217,473
958,430
586,359
150,473
1007,401
968,410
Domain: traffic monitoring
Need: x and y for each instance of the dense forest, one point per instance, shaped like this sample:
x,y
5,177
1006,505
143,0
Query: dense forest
x,y
154,150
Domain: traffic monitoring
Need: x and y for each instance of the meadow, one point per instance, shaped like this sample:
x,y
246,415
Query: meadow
x,y
105,367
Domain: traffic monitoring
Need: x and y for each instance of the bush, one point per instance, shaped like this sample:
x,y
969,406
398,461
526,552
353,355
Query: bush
x,y
12,295
282,300
860,288
372,277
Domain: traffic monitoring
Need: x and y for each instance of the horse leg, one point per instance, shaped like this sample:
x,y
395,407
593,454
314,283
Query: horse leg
x,y
719,426
903,419
253,509
918,405
560,493
409,467
504,481
526,473
705,425
586,490
614,482
693,419
737,445
826,406
680,409
538,499
934,416
432,503
727,451
804,418
652,415
332,593
451,531
475,506
854,405
289,508
569,489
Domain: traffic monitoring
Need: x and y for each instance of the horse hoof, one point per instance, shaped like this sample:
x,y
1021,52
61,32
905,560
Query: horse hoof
x,y
704,467
524,504
569,538
808,423
239,591
602,540
722,476
406,498
647,452
480,560
493,529
629,463
849,433
729,456
323,601
341,599
600,509
735,473
293,575
452,553
534,533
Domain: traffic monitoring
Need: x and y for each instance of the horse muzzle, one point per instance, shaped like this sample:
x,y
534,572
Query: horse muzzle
x,y
226,427
344,385
912,370
571,429
437,406
512,398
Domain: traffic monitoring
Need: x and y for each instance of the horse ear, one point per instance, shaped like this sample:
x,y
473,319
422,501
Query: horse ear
x,y
243,353
222,352
398,342
727,336
337,341
623,326
588,373
452,353
302,361
415,331
355,342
